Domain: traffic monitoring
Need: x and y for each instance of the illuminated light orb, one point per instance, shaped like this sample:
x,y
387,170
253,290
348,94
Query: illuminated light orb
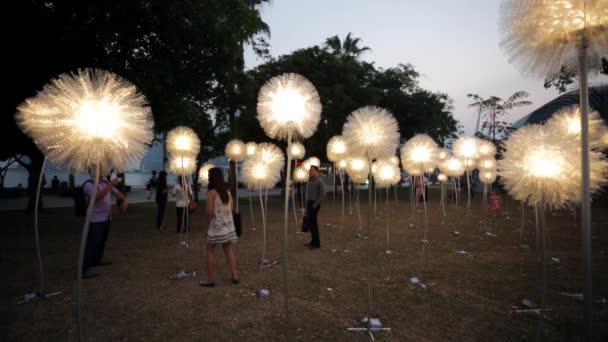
x,y
453,167
91,117
263,169
182,165
568,121
442,177
541,36
487,177
203,172
386,173
371,131
297,150
442,154
466,148
289,104
486,149
419,153
300,174
183,140
250,148
236,150
336,148
487,164
311,161
358,169
540,161
271,154
342,164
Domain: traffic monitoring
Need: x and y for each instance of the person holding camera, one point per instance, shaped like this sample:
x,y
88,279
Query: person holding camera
x,y
99,228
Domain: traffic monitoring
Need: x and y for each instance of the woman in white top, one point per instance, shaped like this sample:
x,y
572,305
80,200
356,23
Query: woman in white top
x,y
221,225
181,202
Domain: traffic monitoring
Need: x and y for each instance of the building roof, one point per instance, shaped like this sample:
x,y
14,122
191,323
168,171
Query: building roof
x,y
598,100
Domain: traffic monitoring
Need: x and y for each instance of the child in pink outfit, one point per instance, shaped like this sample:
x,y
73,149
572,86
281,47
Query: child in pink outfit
x,y
496,204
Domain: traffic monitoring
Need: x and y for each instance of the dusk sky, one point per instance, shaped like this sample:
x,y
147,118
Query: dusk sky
x,y
454,44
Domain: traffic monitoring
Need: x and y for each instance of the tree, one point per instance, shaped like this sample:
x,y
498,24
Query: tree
x,y
565,77
181,54
345,84
348,48
494,107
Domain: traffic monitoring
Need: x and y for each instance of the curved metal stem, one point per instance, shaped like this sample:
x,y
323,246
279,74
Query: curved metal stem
x,y
83,243
41,291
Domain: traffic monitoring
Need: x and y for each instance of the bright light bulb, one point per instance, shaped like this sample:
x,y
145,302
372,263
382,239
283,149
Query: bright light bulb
x,y
421,154
98,119
288,105
442,177
259,172
542,163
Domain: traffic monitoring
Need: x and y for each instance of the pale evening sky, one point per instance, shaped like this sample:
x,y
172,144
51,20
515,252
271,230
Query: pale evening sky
x,y
454,44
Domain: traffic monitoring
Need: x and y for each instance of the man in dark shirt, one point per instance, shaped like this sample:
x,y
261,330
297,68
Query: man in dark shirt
x,y
315,192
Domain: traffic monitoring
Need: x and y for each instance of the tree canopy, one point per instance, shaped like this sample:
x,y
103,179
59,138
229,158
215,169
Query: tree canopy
x,y
344,84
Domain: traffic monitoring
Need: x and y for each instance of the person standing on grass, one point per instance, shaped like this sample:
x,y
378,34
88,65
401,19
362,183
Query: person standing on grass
x,y
99,228
161,199
151,186
221,230
315,193
181,202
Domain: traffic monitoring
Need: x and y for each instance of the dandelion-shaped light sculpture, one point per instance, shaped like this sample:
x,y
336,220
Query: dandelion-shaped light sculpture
x,y
182,165
311,161
183,140
486,149
358,169
297,150
236,151
373,132
543,36
442,154
387,174
487,164
288,108
487,177
541,166
420,154
262,171
336,149
203,172
453,167
91,117
467,149
300,175
183,144
250,148
568,121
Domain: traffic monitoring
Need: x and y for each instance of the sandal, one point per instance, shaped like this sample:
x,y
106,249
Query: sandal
x,y
235,281
203,284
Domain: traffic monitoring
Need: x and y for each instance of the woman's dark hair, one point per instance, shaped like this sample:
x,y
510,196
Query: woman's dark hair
x,y
216,182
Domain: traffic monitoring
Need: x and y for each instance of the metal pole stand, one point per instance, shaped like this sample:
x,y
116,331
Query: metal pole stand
x,y
34,297
370,326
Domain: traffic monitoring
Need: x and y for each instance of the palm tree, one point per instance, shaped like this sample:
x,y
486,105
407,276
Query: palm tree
x,y
347,48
